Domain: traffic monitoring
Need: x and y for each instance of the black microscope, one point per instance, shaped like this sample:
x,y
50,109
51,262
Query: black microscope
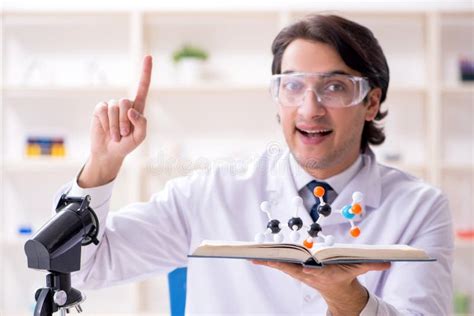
x,y
56,247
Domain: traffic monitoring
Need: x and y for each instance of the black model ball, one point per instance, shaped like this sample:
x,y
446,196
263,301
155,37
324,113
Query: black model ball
x,y
314,230
274,226
324,209
295,221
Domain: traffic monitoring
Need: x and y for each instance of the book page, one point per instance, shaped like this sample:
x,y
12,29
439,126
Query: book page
x,y
374,252
238,249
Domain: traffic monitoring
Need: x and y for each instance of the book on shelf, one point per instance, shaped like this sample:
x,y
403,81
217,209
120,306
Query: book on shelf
x,y
317,256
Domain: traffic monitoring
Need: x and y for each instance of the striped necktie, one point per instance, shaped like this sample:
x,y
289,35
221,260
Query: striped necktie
x,y
313,184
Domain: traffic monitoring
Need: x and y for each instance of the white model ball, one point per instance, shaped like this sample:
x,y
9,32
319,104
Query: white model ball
x,y
265,206
297,201
278,238
329,240
357,197
260,238
294,236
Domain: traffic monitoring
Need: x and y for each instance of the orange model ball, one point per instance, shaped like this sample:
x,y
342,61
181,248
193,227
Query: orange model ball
x,y
319,191
308,244
356,209
355,231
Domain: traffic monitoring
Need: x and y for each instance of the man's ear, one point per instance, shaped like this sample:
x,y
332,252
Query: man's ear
x,y
373,104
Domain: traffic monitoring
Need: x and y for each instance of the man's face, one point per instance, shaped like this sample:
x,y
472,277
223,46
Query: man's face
x,y
336,143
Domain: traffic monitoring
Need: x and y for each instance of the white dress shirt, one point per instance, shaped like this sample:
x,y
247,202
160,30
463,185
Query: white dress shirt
x,y
223,204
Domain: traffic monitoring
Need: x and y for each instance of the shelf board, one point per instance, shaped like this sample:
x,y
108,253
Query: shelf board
x,y
46,164
372,7
32,91
405,165
400,88
463,244
50,19
467,167
40,164
210,87
14,243
458,88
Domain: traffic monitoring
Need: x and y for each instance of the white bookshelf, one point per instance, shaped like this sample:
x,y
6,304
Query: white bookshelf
x,y
429,126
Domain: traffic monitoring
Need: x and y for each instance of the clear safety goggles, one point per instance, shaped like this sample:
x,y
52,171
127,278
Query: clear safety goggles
x,y
331,90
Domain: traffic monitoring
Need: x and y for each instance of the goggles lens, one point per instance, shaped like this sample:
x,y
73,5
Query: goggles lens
x,y
331,90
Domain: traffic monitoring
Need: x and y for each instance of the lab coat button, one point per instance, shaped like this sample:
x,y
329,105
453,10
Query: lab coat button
x,y
307,298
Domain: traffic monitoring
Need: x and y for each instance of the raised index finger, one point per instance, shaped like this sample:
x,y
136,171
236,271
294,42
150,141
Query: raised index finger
x,y
144,85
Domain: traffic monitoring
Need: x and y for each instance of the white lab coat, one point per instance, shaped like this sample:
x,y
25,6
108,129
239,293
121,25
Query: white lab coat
x,y
223,204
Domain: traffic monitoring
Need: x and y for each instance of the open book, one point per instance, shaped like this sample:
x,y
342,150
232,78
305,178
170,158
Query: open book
x,y
318,256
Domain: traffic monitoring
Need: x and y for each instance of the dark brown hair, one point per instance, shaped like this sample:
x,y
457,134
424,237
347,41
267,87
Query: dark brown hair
x,y
358,48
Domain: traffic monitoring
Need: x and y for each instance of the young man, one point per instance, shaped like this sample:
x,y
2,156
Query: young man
x,y
330,77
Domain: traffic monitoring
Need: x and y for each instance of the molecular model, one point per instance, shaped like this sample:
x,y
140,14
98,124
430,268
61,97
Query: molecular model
x,y
295,224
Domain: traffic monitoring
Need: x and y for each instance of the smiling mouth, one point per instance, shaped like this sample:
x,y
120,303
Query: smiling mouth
x,y
314,133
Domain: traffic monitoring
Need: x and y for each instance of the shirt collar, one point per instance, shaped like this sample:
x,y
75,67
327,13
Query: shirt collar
x,y
301,178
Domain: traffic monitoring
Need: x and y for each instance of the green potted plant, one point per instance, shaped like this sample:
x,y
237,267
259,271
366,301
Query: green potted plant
x,y
189,60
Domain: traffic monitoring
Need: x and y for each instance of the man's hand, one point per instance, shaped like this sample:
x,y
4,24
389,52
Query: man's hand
x,y
117,128
337,283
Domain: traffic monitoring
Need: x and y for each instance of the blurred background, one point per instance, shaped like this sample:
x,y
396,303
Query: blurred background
x,y
209,102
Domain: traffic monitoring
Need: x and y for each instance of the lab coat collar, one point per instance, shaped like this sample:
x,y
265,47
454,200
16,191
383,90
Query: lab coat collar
x,y
282,189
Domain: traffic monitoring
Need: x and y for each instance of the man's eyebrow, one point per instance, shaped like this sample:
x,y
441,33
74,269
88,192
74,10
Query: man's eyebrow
x,y
332,72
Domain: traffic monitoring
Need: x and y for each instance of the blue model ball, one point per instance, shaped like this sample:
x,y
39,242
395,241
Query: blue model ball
x,y
346,212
